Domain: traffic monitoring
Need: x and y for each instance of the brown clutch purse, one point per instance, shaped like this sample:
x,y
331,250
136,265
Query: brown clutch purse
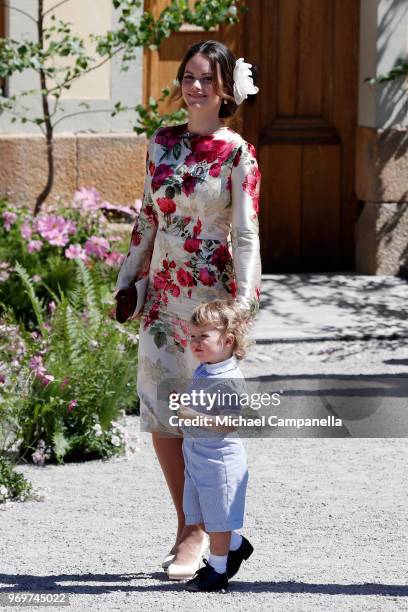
x,y
130,301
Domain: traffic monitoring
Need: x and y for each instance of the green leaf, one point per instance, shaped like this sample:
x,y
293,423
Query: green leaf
x,y
61,445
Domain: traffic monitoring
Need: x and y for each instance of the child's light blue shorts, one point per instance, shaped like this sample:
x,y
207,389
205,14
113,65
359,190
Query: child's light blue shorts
x,y
216,477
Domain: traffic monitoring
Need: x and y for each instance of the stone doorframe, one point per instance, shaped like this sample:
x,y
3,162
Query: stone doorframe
x,y
382,141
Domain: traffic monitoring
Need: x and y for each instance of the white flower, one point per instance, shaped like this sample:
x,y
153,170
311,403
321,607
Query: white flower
x,y
98,429
232,10
3,491
243,83
115,440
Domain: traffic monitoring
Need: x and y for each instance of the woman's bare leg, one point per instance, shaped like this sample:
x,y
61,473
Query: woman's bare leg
x,y
170,455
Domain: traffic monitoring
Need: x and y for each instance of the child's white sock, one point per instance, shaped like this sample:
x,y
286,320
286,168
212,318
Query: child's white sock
x,y
218,562
236,540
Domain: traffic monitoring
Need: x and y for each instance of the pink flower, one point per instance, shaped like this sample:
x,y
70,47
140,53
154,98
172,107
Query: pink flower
x,y
34,245
97,246
9,218
87,198
55,229
26,230
75,251
36,364
114,259
72,405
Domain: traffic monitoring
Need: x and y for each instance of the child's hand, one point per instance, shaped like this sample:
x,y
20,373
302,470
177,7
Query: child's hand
x,y
184,412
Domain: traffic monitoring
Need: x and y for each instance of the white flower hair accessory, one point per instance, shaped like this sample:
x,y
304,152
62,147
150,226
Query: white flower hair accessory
x,y
243,82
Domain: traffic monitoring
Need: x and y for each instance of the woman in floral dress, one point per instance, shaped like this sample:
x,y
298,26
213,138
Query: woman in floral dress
x,y
196,237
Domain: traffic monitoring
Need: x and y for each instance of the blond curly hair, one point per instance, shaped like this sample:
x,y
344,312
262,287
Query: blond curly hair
x,y
227,317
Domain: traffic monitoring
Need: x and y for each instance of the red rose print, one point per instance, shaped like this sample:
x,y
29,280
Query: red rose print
x,y
184,278
251,149
151,168
136,235
159,282
162,172
168,137
255,204
190,159
249,184
151,214
197,228
175,290
237,158
207,277
210,150
215,170
189,183
233,288
220,257
166,205
192,245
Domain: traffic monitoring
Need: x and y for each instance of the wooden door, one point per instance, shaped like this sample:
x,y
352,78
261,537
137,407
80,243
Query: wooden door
x,y
305,123
302,122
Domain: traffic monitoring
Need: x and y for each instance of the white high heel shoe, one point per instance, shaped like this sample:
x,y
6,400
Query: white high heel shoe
x,y
184,572
167,560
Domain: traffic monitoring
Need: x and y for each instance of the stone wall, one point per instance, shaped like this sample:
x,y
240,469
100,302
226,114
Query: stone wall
x,y
112,163
382,141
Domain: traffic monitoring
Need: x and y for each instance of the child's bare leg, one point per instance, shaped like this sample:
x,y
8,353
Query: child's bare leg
x,y
220,542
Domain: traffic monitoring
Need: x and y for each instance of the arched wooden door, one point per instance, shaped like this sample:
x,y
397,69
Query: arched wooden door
x,y
305,123
302,122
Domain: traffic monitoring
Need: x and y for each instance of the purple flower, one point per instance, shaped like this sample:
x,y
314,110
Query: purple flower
x,y
26,230
52,306
55,229
34,245
97,246
9,218
75,251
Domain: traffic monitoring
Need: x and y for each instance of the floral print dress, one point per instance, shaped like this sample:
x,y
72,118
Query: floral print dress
x,y
196,237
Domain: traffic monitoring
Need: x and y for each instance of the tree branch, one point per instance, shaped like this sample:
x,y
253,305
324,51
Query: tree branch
x,y
87,71
100,110
55,6
13,8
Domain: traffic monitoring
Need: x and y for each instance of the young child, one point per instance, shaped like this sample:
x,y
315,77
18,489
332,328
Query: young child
x,y
216,472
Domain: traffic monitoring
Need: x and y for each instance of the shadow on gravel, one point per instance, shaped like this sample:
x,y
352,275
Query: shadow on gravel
x,y
32,583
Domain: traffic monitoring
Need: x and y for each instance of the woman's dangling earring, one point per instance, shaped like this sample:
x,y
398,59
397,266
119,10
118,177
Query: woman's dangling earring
x,y
225,101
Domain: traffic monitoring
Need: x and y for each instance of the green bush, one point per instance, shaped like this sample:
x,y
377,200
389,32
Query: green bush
x,y
13,486
47,246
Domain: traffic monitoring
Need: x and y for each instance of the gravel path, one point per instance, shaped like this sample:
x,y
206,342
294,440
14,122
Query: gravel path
x,y
327,517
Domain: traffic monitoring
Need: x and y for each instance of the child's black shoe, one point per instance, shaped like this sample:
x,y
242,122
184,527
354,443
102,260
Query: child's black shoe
x,y
207,579
236,557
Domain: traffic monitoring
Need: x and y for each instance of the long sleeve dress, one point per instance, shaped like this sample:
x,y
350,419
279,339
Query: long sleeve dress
x,y
197,239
